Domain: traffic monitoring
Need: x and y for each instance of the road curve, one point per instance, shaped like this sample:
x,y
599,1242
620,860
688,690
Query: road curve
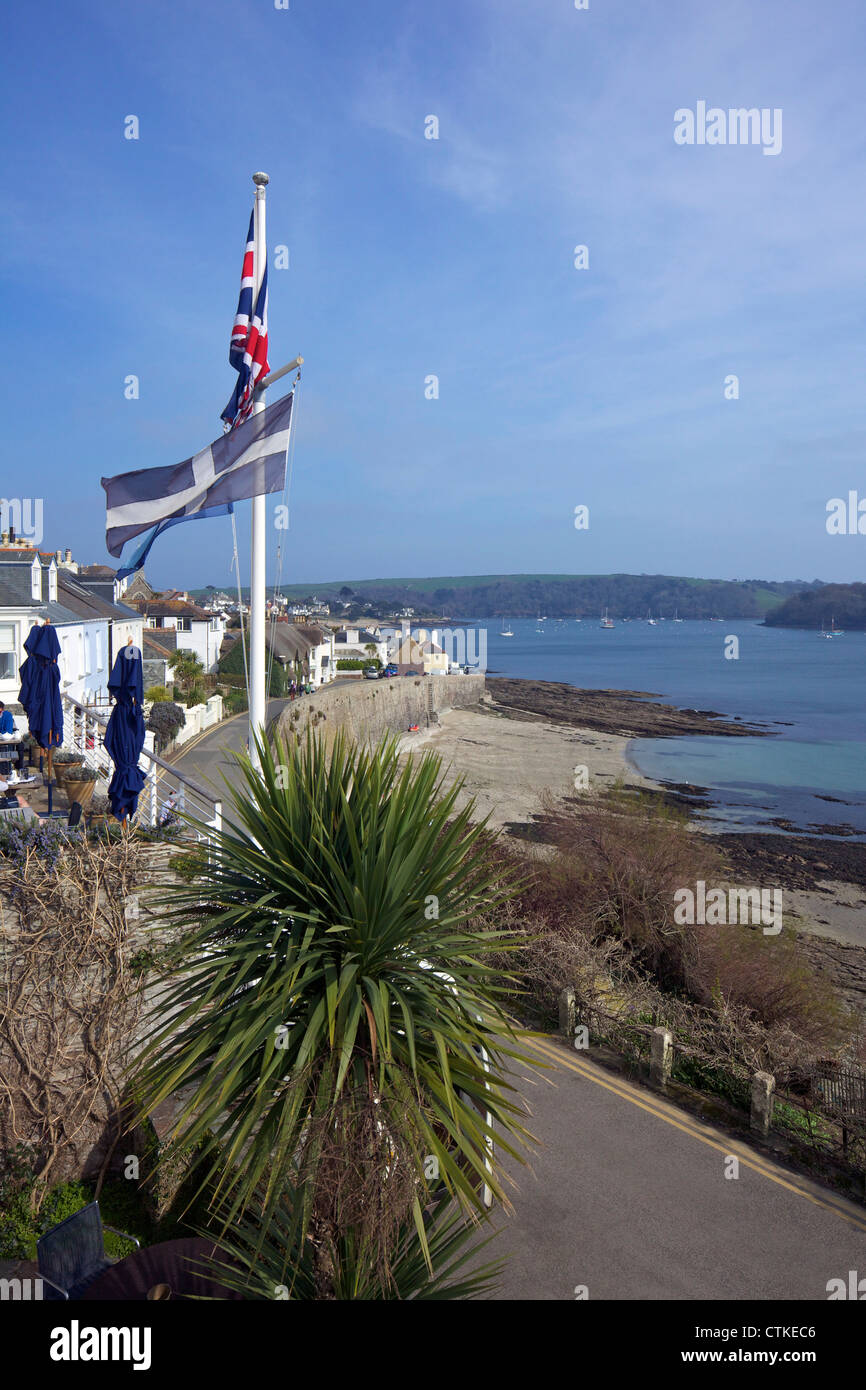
x,y
628,1197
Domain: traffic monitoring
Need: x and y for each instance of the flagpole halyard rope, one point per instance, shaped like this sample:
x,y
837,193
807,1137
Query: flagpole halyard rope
x,y
237,565
287,489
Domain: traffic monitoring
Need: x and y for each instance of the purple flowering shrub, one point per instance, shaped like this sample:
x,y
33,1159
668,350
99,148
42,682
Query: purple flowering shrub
x,y
19,841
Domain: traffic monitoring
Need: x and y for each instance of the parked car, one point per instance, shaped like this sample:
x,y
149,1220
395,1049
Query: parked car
x,y
411,673
389,670
371,673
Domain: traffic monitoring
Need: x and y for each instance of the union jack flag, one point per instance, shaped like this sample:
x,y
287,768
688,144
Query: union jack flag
x,y
248,350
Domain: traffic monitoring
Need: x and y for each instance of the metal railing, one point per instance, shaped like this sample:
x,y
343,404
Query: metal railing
x,y
84,733
821,1103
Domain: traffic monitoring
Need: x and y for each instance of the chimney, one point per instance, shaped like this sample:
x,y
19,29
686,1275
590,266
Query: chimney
x,y
60,557
69,557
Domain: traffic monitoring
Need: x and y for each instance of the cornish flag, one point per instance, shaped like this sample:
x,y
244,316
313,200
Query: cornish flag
x,y
248,462
248,350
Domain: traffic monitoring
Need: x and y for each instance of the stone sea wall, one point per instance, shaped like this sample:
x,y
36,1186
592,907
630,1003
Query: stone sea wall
x,y
370,709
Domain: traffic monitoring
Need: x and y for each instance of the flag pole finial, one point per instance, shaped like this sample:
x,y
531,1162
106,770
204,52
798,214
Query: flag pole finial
x,y
261,180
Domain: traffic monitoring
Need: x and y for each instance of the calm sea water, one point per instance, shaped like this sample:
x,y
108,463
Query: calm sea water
x,y
808,690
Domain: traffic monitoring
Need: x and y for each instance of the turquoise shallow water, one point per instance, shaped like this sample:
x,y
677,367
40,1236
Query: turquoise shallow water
x,y
811,693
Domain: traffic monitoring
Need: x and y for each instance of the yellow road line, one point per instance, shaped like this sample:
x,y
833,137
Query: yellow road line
x,y
625,1093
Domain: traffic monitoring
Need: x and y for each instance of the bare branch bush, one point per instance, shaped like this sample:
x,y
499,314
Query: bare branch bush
x,y
68,1000
595,913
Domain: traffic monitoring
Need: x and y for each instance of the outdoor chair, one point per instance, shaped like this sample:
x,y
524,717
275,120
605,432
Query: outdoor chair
x,y
72,1254
72,817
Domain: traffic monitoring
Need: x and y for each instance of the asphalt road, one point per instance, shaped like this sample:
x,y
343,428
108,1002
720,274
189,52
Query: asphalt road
x,y
628,1197
210,759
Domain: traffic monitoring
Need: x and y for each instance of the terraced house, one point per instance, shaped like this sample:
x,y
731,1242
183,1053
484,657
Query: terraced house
x,y
180,625
34,587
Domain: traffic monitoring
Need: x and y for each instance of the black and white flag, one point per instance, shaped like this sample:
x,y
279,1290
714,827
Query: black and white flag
x,y
248,462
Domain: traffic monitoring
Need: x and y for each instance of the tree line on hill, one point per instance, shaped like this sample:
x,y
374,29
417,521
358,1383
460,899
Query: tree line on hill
x,y
839,605
623,595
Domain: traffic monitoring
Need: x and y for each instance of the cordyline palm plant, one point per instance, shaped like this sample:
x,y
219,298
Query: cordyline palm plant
x,y
338,1025
267,1259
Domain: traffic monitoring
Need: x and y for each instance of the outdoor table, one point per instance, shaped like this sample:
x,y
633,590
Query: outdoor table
x,y
8,746
168,1263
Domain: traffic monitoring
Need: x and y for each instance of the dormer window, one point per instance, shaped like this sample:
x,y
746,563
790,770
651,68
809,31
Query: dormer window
x,y
36,580
52,583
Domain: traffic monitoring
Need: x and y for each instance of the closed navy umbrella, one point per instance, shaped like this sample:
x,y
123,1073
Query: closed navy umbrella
x,y
124,737
40,686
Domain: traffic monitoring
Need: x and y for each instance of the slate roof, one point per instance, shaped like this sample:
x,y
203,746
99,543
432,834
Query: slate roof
x,y
90,604
170,607
74,602
96,572
289,641
160,648
15,581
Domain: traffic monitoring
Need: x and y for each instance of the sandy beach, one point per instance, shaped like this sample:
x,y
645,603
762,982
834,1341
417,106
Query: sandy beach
x,y
512,757
510,764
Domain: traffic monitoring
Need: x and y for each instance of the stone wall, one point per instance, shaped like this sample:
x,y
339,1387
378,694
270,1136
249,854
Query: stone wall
x,y
370,709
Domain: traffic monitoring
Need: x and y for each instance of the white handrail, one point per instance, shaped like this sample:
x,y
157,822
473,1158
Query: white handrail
x,y
84,733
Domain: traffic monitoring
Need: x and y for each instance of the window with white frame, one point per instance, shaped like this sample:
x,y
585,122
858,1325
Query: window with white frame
x,y
8,657
52,584
36,580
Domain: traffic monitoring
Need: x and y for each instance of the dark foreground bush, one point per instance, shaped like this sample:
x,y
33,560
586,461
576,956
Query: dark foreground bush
x,y
597,914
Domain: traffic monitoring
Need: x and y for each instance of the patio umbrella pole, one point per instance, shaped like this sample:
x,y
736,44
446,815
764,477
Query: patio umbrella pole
x,y
39,693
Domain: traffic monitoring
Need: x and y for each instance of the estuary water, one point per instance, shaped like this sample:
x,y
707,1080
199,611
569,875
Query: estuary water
x,y
809,691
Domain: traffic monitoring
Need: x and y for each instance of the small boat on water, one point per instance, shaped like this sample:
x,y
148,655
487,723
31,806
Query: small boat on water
x,y
677,618
649,617
507,632
605,620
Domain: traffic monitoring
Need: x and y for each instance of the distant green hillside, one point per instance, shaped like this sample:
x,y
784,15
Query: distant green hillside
x,y
833,605
558,595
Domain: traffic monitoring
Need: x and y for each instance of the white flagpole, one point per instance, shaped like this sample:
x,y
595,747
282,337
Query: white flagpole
x,y
258,696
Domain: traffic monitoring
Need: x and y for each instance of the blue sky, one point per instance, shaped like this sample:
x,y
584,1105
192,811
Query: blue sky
x,y
454,257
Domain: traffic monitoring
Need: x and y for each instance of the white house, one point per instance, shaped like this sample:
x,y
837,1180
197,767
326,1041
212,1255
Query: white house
x,y
321,656
91,630
351,643
183,626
